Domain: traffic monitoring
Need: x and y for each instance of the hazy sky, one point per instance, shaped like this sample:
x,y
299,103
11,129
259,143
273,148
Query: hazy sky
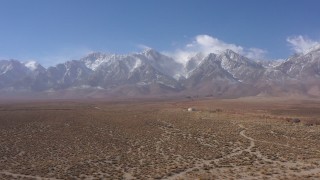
x,y
52,31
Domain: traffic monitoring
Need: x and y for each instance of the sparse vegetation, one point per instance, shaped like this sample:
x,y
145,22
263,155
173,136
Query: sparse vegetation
x,y
158,140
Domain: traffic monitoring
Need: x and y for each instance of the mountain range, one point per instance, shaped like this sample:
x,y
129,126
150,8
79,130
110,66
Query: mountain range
x,y
153,74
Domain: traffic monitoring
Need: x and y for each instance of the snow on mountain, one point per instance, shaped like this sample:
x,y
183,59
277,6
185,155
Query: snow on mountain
x,y
241,68
210,69
302,66
226,73
162,63
68,74
12,66
32,65
94,60
13,74
144,68
192,64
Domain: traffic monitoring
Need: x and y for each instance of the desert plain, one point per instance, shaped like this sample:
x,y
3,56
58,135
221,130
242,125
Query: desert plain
x,y
246,138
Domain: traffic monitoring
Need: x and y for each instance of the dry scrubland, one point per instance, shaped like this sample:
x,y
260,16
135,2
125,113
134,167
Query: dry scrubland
x,y
222,139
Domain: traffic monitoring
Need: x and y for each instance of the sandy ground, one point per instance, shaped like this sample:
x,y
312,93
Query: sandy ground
x,y
221,139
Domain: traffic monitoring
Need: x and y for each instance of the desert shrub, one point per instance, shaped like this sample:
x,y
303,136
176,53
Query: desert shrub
x,y
293,120
215,111
311,122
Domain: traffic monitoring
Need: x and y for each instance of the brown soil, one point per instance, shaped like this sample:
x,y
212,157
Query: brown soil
x,y
221,139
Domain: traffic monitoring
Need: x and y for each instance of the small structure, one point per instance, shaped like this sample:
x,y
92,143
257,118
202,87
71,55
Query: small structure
x,y
190,109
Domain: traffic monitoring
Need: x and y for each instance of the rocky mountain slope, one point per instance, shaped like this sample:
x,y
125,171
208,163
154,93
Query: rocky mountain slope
x,y
151,73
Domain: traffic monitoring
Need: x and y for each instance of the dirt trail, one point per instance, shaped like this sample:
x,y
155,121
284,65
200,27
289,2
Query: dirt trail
x,y
248,149
202,163
286,164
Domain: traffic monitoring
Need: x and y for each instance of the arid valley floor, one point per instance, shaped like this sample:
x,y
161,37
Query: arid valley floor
x,y
245,138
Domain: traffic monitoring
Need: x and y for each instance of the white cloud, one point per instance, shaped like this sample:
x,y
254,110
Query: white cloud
x,y
255,53
207,44
302,44
143,47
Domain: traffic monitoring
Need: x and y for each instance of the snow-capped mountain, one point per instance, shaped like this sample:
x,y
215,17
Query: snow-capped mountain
x,y
302,66
11,73
227,74
192,64
141,69
240,67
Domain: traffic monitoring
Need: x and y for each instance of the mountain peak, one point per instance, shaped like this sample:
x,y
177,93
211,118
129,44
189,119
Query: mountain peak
x,y
32,65
146,50
210,73
229,51
93,56
211,56
231,54
151,52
